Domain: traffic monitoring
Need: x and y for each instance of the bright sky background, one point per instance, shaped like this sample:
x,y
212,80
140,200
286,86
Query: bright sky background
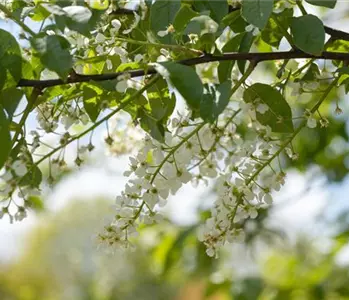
x,y
293,211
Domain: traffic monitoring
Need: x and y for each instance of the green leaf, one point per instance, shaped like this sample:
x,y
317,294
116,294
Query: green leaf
x,y
206,42
153,127
129,66
257,12
279,115
345,83
91,102
101,5
5,138
235,21
53,9
200,25
9,99
182,18
39,13
312,73
162,14
214,103
161,102
324,3
78,18
217,9
54,54
33,177
225,67
343,70
245,46
272,34
79,14
35,202
186,81
308,34
10,60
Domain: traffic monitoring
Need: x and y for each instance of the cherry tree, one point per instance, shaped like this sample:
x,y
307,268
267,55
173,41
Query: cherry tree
x,y
252,74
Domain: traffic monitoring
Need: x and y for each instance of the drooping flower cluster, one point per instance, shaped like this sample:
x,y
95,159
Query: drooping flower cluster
x,y
198,152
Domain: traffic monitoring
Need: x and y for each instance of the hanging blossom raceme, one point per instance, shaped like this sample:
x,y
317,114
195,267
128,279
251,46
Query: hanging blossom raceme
x,y
197,152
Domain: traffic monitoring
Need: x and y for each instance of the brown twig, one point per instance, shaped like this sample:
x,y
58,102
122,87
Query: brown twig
x,y
337,34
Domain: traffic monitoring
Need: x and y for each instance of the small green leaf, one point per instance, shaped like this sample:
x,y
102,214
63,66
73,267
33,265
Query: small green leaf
x,y
153,127
39,13
279,115
200,25
272,34
35,202
186,81
345,82
308,34
33,177
257,12
129,66
324,3
161,102
162,14
91,103
223,96
235,21
217,9
214,103
206,108
245,46
54,54
78,18
312,73
10,60
100,5
343,70
9,99
225,67
53,9
182,18
79,14
5,138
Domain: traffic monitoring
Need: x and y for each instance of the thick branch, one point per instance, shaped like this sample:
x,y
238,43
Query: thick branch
x,y
257,57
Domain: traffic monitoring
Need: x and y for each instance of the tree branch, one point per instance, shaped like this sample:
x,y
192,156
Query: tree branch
x,y
206,58
337,34
126,11
122,11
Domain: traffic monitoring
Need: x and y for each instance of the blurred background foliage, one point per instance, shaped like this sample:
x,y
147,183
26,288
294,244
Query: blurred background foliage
x,y
62,261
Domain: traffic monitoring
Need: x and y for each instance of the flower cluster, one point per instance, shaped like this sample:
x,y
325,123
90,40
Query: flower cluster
x,y
198,152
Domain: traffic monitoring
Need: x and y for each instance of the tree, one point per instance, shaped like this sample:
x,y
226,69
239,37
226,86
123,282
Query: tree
x,y
89,61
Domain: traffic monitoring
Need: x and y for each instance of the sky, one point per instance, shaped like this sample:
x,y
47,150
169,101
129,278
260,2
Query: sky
x,y
294,210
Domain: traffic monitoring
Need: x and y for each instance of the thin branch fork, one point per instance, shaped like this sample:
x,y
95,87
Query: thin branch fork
x,y
206,58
